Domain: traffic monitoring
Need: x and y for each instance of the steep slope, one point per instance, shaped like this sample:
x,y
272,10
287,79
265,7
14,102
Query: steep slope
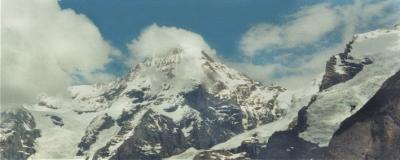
x,y
342,67
381,48
58,141
374,131
185,104
199,109
163,106
350,79
253,144
18,133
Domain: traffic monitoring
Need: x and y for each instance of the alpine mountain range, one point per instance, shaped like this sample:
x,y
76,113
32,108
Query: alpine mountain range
x,y
186,104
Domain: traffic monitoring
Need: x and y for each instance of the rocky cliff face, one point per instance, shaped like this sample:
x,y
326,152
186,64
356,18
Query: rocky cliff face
x,y
184,103
350,79
338,102
159,109
280,145
155,137
342,67
161,117
98,124
18,134
374,131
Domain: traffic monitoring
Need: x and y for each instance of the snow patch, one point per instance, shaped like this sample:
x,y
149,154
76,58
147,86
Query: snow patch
x,y
342,100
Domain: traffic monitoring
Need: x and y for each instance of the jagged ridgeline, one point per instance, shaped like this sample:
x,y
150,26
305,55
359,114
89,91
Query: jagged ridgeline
x,y
163,106
185,104
351,79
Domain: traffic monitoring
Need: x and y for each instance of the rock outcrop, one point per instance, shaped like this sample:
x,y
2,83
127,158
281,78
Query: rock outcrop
x,y
18,133
281,145
342,67
97,125
155,137
374,131
184,102
351,78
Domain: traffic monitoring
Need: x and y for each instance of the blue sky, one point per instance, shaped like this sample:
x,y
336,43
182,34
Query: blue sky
x,y
222,24
65,42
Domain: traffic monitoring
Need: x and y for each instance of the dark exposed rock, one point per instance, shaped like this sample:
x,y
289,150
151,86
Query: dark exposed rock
x,y
18,132
171,109
139,95
97,125
211,115
56,120
288,145
207,56
206,134
301,122
249,149
374,131
114,92
124,122
157,136
220,155
135,94
222,119
348,65
126,115
218,86
281,145
82,112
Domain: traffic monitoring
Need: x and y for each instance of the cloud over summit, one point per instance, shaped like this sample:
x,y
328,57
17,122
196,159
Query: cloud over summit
x,y
158,40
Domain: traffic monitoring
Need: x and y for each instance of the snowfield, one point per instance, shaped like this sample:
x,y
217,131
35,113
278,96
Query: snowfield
x,y
342,100
178,104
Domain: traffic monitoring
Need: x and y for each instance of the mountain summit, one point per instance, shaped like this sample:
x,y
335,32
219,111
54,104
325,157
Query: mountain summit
x,y
163,106
181,102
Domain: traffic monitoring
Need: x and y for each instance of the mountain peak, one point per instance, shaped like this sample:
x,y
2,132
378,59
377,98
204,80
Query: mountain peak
x,y
185,69
175,56
183,92
159,41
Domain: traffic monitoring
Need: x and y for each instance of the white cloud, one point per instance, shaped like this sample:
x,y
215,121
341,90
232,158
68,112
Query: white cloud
x,y
262,73
160,40
43,47
306,26
306,69
157,41
312,23
350,17
260,37
361,14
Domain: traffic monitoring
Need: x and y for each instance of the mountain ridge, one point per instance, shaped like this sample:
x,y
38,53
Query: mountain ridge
x,y
185,102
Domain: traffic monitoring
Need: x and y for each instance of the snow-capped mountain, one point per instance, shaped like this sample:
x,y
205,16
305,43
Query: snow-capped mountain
x,y
373,131
18,133
163,106
185,104
351,78
379,52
